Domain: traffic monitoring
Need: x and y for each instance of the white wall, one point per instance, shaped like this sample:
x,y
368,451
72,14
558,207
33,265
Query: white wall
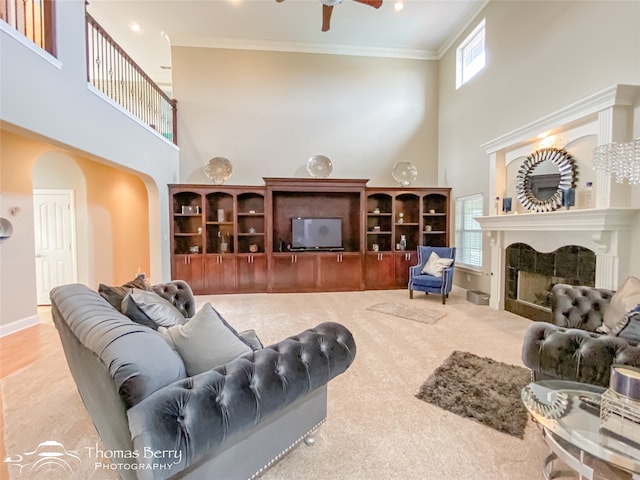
x,y
542,57
48,99
268,112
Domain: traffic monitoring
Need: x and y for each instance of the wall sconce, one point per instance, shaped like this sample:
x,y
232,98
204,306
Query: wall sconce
x,y
619,160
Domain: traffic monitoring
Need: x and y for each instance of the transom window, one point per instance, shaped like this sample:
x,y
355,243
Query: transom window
x,y
471,56
468,232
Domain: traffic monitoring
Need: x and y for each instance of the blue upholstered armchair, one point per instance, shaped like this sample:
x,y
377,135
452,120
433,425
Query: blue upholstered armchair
x,y
424,282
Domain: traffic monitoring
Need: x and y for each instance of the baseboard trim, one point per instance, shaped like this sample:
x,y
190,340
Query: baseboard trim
x,y
18,325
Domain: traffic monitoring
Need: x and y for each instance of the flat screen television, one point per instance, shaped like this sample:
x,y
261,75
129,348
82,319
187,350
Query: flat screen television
x,y
316,233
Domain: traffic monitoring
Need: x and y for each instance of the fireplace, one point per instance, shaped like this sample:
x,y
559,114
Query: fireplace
x,y
609,231
586,246
530,275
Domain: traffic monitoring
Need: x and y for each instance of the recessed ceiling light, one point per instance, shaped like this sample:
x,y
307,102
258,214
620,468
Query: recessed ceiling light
x,y
398,6
135,26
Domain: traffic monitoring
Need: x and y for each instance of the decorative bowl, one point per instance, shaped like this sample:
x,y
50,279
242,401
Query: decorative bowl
x,y
319,166
219,170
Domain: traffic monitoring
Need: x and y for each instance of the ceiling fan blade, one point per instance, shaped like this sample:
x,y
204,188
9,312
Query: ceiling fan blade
x,y
326,17
371,3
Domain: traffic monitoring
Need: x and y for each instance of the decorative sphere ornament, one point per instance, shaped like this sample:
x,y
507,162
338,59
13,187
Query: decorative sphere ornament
x,y
405,173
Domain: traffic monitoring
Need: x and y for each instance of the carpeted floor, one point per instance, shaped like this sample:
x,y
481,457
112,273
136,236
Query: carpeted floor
x,y
481,389
376,428
423,315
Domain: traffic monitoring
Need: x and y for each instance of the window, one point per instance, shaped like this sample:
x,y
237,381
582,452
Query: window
x,y
471,56
468,232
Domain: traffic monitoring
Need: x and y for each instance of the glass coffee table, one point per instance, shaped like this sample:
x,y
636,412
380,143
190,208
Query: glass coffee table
x,y
569,414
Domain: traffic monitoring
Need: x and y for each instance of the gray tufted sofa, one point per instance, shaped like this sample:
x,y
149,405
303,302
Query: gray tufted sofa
x,y
570,348
227,423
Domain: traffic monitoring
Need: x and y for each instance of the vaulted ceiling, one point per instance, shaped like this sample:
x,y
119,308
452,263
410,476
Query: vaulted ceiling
x,y
421,29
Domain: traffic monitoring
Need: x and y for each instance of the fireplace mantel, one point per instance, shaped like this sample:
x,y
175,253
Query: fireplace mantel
x,y
563,220
607,232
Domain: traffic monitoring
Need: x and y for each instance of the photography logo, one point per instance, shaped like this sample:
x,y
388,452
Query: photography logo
x,y
49,460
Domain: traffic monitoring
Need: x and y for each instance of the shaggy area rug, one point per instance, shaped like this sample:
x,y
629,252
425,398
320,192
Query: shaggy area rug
x,y
480,388
423,315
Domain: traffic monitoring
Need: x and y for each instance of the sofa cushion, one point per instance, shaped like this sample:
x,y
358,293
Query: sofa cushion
x,y
150,309
435,265
114,295
623,301
205,341
250,337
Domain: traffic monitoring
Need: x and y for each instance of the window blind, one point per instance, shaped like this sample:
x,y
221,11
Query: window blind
x,y
468,232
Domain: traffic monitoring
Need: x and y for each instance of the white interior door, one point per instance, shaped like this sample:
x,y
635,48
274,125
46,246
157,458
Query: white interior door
x,y
54,217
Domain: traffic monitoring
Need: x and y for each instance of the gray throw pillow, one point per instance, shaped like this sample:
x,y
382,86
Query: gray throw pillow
x,y
149,308
623,301
205,341
630,329
114,295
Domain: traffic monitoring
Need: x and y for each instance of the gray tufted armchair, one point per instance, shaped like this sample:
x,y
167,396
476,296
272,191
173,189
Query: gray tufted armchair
x,y
570,348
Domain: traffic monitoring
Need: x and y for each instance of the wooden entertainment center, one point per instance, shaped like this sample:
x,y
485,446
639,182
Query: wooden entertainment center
x,y
233,239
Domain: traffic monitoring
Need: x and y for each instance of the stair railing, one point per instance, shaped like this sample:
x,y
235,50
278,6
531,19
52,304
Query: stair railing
x,y
34,19
111,70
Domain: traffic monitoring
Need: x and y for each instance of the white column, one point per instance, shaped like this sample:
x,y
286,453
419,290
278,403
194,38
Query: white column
x,y
497,269
614,126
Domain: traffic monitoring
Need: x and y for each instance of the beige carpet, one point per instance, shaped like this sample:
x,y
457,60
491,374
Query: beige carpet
x,y
423,315
376,428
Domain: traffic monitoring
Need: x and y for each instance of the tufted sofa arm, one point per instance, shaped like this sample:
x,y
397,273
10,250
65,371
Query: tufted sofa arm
x,y
572,354
179,293
192,417
579,306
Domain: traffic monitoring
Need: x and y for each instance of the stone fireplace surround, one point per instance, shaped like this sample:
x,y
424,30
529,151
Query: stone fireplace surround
x,y
606,229
530,276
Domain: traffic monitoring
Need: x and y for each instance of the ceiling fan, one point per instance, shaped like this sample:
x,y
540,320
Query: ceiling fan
x,y
327,9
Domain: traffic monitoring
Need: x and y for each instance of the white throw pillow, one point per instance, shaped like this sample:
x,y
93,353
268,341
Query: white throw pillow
x,y
626,298
205,341
435,265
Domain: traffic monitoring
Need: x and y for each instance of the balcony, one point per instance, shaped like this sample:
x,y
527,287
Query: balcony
x,y
109,68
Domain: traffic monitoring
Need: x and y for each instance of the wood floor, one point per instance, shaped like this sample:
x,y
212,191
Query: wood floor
x,y
18,351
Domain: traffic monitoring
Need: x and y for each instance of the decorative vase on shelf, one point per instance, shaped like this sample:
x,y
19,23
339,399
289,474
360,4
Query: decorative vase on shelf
x,y
405,173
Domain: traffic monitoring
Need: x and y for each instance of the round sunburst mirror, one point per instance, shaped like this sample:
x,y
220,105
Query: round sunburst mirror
x,y
542,177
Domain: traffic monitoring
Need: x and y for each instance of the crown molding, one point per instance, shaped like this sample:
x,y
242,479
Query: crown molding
x,y
295,47
583,110
464,24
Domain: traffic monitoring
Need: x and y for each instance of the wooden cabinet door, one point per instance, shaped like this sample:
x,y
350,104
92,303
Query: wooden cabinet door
x,y
380,270
294,272
220,274
340,272
251,273
189,268
403,261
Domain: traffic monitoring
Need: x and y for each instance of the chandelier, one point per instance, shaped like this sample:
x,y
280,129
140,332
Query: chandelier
x,y
619,160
